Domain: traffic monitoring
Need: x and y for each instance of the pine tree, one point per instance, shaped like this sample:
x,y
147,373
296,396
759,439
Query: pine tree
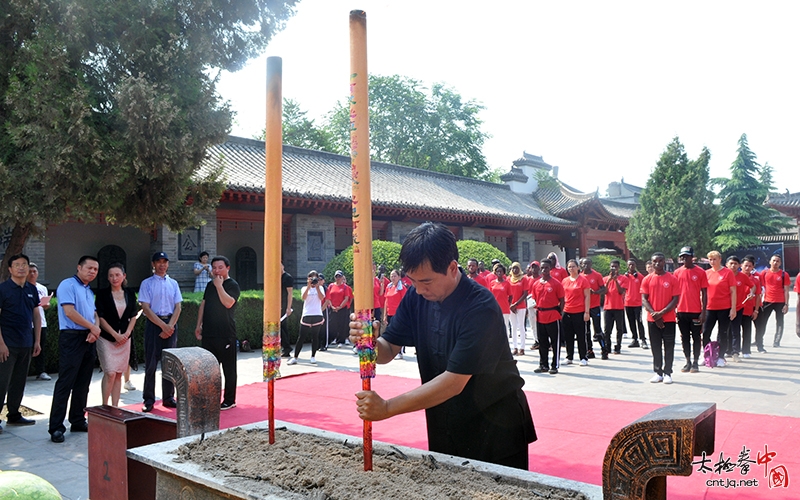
x,y
744,216
676,206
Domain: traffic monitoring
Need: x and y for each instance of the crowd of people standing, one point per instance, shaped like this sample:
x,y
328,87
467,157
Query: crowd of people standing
x,y
563,307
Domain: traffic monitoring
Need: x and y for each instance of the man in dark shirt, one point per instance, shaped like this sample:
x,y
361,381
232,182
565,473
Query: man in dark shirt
x,y
216,326
18,302
471,388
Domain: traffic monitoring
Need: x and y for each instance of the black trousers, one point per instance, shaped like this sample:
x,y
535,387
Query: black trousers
x,y
340,325
721,318
594,322
611,316
225,351
574,328
153,345
735,334
75,364
309,329
747,333
690,327
38,361
549,335
763,318
13,375
286,344
662,361
634,314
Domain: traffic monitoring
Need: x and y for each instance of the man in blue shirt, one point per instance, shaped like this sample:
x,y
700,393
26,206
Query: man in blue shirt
x,y
18,302
79,330
161,298
471,388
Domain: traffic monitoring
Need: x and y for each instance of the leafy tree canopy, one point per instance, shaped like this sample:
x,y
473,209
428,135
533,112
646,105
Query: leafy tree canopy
x,y
744,216
109,107
676,206
411,125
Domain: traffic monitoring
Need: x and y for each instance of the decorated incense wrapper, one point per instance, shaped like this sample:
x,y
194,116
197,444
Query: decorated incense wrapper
x,y
367,355
271,352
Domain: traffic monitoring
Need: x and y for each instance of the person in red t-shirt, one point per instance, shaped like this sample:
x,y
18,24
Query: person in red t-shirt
x,y
472,272
614,310
721,309
394,293
744,292
519,293
501,289
576,312
660,294
339,297
556,271
776,283
751,307
633,305
691,307
405,280
597,289
549,296
378,289
533,275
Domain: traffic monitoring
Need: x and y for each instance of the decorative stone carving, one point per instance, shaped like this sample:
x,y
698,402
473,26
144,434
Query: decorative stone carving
x,y
195,373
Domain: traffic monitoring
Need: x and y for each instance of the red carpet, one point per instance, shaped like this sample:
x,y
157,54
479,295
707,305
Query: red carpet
x,y
573,431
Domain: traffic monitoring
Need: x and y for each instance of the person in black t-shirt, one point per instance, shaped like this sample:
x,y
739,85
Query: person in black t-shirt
x,y
471,388
287,285
216,326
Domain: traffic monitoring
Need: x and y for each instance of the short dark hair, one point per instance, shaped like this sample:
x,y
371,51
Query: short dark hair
x,y
17,257
733,258
472,259
658,254
432,242
84,258
201,255
221,258
548,262
615,261
749,258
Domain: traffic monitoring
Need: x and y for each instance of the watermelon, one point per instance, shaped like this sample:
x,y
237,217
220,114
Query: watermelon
x,y
19,485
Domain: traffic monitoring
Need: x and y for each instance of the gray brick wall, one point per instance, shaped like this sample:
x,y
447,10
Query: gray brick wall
x,y
322,239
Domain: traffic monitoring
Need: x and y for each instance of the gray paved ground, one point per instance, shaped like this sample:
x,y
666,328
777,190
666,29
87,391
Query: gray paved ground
x,y
766,383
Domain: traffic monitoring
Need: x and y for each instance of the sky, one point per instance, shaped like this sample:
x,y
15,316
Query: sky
x,y
596,88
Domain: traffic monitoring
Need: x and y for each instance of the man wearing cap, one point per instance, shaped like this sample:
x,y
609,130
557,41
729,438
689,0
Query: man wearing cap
x,y
160,297
693,285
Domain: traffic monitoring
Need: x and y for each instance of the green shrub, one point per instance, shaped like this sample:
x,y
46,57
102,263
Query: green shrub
x,y
602,263
249,325
383,252
486,252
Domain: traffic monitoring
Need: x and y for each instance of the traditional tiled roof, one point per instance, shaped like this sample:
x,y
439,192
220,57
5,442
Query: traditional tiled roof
x,y
319,177
567,202
533,161
788,203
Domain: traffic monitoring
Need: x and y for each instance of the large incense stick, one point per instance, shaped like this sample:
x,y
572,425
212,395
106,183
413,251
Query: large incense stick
x,y
362,208
273,197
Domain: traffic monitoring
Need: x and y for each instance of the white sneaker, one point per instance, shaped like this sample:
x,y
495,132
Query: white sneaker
x,y
399,355
746,356
129,386
43,376
568,362
313,360
736,358
721,362
667,379
584,362
656,379
292,361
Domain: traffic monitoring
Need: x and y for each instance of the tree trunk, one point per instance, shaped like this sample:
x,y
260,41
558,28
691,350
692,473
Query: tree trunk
x,y
19,235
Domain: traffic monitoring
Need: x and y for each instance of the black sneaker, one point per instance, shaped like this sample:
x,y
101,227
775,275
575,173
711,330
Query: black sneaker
x,y
535,346
617,350
635,343
21,421
540,370
590,354
227,406
553,371
604,355
644,344
695,368
687,367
